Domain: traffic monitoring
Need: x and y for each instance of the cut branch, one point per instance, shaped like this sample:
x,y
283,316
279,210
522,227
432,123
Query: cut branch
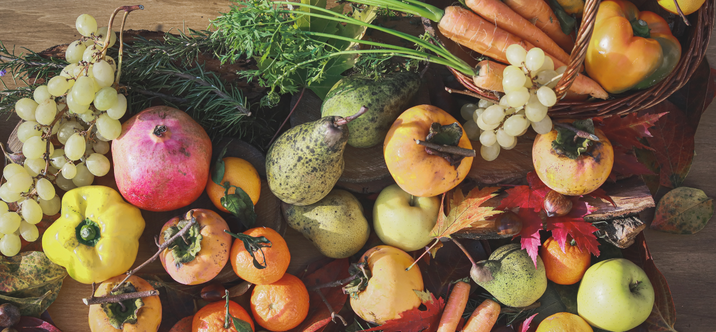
x,y
448,149
119,298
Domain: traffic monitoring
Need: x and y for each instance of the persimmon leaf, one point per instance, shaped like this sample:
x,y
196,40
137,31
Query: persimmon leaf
x,y
416,320
464,210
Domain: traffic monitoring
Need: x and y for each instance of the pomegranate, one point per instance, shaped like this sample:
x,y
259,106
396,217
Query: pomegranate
x,y
161,159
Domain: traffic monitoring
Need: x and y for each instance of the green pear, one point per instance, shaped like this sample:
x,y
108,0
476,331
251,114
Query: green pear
x,y
510,276
335,224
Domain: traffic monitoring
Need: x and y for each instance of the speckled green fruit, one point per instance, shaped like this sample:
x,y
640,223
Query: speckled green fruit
x,y
511,277
306,161
386,99
336,224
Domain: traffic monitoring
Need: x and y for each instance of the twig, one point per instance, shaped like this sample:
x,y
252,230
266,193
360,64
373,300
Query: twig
x,y
167,243
678,10
119,298
330,308
289,115
578,132
335,283
199,81
448,149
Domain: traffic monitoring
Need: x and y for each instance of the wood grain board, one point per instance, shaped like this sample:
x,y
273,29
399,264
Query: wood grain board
x,y
687,261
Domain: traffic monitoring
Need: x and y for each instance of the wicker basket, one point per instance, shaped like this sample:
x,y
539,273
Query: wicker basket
x,y
699,35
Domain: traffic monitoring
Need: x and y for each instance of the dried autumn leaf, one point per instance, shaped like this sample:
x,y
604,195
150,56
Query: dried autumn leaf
x,y
626,131
30,281
683,210
318,314
416,320
449,264
627,164
464,211
663,315
673,142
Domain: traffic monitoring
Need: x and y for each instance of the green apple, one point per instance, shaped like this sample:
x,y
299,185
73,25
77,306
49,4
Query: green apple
x,y
403,220
615,295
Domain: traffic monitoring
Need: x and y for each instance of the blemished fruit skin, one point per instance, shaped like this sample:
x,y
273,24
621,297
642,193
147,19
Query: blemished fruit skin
x,y
391,289
385,99
161,160
615,295
335,224
400,224
573,177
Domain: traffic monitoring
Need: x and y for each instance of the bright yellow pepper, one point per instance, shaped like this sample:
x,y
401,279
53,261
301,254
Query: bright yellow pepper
x,y
96,236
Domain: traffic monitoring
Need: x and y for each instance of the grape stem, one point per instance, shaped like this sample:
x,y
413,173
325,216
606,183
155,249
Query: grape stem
x,y
48,136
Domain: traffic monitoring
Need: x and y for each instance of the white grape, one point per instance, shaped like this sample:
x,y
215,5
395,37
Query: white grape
x,y
46,112
68,129
34,166
88,117
503,138
493,115
485,103
74,51
34,147
544,126
20,182
57,159
28,129
535,112
25,109
58,86
466,111
51,207
100,147
98,164
477,114
534,59
105,98
518,97
561,70
7,195
490,152
69,171
89,54
548,64
31,211
11,169
510,147
10,245
103,73
86,25
83,90
3,208
513,78
515,125
503,102
482,125
75,147
102,35
9,222
84,177
41,94
471,129
108,128
488,137
64,183
515,54
546,96
545,76
45,189
76,107
117,111
29,232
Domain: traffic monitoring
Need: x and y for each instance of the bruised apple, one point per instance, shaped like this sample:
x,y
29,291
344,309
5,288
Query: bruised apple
x,y
161,159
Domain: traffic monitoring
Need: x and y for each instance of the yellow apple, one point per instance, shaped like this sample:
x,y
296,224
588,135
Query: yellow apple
x,y
687,6
403,220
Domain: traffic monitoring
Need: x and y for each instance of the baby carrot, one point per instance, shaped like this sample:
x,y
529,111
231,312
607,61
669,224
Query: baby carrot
x,y
454,307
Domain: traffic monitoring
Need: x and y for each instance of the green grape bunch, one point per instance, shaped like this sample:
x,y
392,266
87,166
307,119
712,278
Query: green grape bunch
x,y
80,109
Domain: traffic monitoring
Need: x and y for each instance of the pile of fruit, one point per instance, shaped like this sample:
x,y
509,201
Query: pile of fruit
x,y
377,248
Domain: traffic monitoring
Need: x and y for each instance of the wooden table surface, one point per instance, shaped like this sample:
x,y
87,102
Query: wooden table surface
x,y
687,261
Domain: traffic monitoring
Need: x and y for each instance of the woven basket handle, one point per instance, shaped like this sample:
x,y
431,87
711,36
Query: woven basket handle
x,y
576,58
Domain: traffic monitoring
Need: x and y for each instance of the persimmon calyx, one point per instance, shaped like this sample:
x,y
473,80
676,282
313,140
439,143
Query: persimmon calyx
x,y
572,143
124,312
358,284
443,141
187,246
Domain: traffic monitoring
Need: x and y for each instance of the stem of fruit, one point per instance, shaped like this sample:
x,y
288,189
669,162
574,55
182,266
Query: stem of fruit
x,y
459,245
161,248
427,250
683,17
47,155
344,121
119,298
578,132
330,308
227,318
448,149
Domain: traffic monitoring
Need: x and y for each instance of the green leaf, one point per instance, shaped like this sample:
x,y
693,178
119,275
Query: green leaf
x,y
30,281
253,245
239,204
217,172
241,325
683,210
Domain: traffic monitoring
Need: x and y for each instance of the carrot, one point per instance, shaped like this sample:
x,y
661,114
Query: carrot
x,y
541,14
489,75
483,318
454,308
470,30
510,20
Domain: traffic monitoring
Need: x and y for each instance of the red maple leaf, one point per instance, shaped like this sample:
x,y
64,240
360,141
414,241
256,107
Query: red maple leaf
x,y
602,194
529,235
527,197
626,131
416,320
573,224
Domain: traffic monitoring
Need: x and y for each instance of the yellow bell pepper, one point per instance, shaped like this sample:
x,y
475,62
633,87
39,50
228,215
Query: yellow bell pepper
x,y
97,235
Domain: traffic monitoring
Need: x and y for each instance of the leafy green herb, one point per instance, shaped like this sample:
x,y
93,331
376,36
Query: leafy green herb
x,y
30,281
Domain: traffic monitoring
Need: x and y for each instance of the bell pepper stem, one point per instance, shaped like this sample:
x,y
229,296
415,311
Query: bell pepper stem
x,y
641,28
161,248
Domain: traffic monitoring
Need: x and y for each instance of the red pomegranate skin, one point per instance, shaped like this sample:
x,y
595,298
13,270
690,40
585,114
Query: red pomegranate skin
x,y
161,159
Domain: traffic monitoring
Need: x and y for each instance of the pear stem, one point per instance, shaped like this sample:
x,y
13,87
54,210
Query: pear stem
x,y
459,245
448,149
343,121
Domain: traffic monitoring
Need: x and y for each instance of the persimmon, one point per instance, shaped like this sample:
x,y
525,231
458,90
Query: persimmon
x,y
413,168
201,253
212,317
391,288
570,172
144,315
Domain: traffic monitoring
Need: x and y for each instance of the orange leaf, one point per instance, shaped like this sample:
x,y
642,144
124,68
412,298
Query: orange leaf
x,y
463,211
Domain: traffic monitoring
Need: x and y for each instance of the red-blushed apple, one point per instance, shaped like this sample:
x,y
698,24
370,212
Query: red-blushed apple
x,y
403,220
615,295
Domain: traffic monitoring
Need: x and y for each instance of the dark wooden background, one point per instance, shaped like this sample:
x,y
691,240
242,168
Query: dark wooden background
x,y
688,262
